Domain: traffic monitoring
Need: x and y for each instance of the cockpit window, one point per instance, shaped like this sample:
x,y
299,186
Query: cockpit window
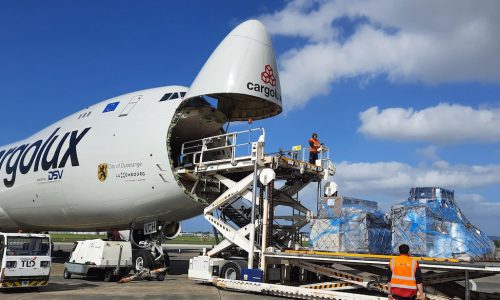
x,y
171,96
165,97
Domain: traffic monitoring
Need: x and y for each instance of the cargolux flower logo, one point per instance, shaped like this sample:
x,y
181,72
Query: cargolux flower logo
x,y
268,75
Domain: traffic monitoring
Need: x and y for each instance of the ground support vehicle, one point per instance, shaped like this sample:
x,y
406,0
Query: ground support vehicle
x,y
25,260
108,260
260,216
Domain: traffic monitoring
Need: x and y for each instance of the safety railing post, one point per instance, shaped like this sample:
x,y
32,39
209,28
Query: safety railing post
x,y
252,222
233,148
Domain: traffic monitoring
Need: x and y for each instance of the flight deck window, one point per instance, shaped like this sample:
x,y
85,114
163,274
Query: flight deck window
x,y
170,96
183,94
174,96
164,98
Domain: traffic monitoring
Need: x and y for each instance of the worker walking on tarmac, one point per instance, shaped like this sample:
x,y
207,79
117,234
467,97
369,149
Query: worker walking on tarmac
x,y
405,276
314,146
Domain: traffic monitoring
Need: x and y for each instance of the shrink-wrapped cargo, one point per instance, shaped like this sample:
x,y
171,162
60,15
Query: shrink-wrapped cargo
x,y
431,223
350,225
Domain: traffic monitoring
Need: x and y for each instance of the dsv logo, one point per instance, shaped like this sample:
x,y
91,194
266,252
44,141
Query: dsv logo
x,y
55,175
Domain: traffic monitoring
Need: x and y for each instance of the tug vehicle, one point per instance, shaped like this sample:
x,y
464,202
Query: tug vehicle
x,y
25,260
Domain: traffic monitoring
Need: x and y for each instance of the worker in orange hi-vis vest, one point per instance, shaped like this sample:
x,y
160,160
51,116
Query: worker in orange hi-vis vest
x,y
314,146
405,277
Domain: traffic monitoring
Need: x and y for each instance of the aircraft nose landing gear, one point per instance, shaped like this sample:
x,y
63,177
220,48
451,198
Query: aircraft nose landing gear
x,y
150,256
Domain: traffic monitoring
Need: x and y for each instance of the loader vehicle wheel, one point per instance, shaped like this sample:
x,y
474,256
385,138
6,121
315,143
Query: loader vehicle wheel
x,y
66,274
231,271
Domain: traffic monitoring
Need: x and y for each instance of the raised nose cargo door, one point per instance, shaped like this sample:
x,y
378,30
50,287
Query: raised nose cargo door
x,y
242,74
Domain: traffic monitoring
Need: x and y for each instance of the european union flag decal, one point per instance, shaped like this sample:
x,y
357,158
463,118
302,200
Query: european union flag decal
x,y
111,107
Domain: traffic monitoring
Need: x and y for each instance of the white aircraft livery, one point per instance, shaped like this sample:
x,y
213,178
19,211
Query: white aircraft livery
x,y
111,166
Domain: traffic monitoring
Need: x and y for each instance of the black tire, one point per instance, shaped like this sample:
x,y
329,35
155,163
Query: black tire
x,y
66,274
231,270
167,262
95,273
161,276
107,275
124,272
142,259
295,274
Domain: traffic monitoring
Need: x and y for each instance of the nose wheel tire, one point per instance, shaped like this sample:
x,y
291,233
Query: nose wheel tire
x,y
160,276
142,259
139,264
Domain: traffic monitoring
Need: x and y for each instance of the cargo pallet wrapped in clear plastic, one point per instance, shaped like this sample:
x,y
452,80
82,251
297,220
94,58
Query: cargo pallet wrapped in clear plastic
x,y
350,225
431,223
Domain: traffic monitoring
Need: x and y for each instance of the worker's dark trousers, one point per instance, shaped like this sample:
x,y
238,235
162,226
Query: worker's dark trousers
x,y
313,157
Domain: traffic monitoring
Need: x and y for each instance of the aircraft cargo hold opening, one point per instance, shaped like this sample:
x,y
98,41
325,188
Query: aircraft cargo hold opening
x,y
194,120
197,155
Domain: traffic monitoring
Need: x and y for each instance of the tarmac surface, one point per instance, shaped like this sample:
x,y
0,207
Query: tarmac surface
x,y
175,286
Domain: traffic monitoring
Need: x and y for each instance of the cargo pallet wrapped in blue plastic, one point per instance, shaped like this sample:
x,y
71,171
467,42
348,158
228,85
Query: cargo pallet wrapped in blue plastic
x,y
350,225
431,223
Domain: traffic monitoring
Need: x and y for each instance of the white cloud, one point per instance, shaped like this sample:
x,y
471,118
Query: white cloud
x,y
428,153
396,176
481,212
443,123
388,183
427,41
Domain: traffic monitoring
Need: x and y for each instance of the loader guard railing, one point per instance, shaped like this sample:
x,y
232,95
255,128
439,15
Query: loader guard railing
x,y
301,153
228,147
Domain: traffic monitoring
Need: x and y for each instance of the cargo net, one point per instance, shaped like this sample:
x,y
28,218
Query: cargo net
x,y
350,225
431,223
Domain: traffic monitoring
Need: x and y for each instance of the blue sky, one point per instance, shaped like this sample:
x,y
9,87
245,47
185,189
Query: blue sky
x,y
406,93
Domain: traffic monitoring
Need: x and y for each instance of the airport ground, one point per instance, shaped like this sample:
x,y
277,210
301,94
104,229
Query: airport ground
x,y
175,286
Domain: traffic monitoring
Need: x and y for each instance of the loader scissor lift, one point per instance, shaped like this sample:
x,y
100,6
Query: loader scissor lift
x,y
228,166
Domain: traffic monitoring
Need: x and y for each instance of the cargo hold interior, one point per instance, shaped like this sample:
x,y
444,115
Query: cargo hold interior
x,y
196,119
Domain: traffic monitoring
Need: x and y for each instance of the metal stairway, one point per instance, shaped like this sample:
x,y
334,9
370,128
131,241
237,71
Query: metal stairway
x,y
239,216
284,236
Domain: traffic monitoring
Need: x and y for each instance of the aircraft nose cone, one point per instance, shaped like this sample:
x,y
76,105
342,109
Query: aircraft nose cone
x,y
254,30
242,75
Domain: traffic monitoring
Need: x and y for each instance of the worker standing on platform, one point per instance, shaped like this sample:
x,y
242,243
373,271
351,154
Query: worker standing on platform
x,y
314,146
405,276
